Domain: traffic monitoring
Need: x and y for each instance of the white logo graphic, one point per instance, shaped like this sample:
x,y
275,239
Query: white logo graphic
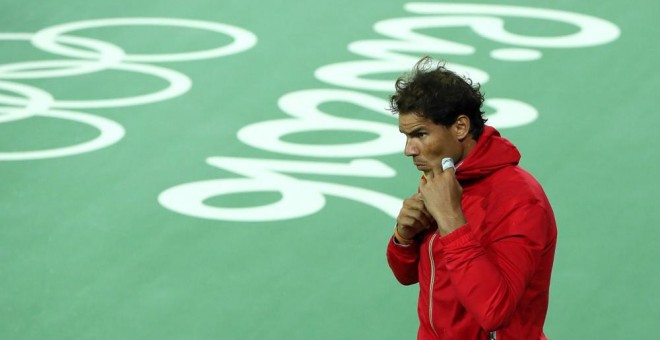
x,y
88,56
405,44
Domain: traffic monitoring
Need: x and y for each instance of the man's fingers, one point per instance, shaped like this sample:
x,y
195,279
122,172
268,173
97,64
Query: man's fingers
x,y
414,200
414,213
438,169
405,221
420,206
447,163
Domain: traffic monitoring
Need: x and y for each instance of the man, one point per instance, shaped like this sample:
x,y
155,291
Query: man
x,y
479,239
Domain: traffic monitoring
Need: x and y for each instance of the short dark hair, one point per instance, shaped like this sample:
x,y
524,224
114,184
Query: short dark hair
x,y
440,95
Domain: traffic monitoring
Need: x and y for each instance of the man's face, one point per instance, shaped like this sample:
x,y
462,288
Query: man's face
x,y
428,143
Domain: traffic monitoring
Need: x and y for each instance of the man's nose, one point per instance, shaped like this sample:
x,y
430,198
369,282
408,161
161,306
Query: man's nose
x,y
411,149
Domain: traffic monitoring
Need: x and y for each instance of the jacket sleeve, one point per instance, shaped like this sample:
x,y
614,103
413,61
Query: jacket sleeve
x,y
490,281
403,261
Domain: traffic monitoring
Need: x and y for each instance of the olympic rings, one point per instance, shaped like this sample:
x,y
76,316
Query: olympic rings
x,y
109,55
111,133
243,40
38,100
90,56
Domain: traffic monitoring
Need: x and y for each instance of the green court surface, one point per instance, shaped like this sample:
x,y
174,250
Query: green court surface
x,y
227,169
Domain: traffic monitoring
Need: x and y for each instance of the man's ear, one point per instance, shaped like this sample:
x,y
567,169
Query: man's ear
x,y
462,127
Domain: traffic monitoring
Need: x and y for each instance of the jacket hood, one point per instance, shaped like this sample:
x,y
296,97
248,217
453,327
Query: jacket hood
x,y
491,153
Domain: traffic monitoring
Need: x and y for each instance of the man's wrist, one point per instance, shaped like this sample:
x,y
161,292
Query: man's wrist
x,y
400,239
448,225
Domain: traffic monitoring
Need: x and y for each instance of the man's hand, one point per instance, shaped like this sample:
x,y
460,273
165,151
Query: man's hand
x,y
413,217
442,195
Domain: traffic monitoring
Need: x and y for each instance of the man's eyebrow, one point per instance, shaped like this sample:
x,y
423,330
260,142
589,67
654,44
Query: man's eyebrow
x,y
413,131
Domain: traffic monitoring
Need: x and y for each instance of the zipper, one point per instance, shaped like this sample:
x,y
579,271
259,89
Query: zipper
x,y
491,335
432,283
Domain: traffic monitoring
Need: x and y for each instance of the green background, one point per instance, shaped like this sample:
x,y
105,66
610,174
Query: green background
x,y
87,252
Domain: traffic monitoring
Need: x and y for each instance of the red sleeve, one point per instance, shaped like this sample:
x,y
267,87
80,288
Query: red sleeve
x,y
403,261
490,281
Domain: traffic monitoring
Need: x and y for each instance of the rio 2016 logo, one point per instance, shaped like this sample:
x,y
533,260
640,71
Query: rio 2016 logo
x,y
400,48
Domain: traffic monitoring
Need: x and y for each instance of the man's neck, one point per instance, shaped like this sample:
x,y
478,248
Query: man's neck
x,y
468,145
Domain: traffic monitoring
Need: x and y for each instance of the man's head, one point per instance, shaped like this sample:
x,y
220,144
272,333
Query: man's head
x,y
439,112
440,95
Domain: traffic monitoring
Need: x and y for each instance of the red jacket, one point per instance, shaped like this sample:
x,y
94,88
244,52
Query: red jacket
x,y
493,273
